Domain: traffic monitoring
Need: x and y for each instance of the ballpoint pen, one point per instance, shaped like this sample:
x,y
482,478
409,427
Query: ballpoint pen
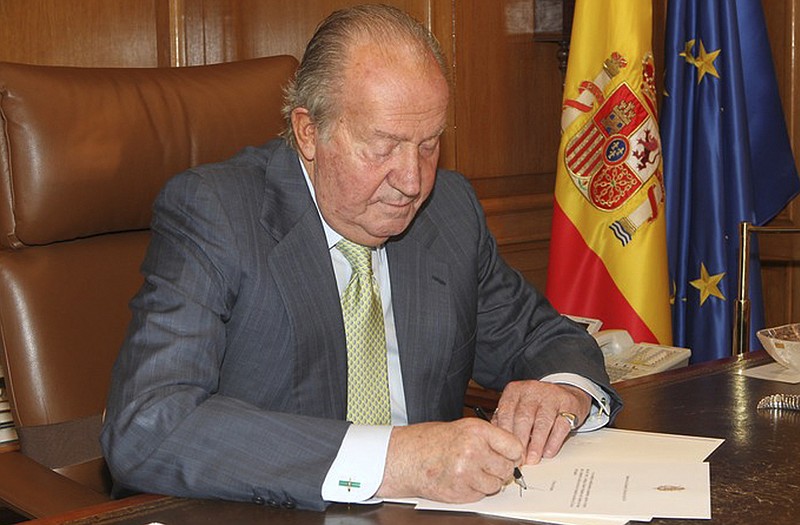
x,y
518,478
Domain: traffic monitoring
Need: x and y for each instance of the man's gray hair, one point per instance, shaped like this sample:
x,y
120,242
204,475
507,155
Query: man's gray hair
x,y
318,81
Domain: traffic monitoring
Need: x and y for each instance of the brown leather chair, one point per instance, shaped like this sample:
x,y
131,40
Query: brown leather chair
x,y
83,152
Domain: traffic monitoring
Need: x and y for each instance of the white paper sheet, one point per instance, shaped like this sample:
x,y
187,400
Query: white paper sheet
x,y
566,519
773,372
614,457
636,491
611,444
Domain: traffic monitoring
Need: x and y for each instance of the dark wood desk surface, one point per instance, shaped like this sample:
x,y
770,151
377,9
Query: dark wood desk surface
x,y
755,474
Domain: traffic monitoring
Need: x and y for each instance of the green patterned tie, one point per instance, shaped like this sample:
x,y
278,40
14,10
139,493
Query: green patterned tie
x,y
367,376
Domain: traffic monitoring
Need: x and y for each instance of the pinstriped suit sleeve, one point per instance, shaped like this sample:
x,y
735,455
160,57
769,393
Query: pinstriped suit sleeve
x,y
517,333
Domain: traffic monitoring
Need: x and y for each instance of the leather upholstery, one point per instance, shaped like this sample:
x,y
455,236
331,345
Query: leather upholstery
x,y
83,152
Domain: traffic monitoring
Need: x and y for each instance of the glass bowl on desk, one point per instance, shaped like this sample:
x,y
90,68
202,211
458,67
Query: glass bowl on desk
x,y
782,343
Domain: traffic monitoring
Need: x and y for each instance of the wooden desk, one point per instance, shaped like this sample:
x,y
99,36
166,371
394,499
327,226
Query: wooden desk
x,y
755,474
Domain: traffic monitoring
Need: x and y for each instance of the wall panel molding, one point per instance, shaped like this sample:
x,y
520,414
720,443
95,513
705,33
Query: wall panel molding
x,y
171,33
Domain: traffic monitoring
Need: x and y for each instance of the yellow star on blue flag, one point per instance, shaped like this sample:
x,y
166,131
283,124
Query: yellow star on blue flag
x,y
708,284
704,61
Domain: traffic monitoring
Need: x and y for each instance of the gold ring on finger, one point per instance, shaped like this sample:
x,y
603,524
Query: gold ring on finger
x,y
571,418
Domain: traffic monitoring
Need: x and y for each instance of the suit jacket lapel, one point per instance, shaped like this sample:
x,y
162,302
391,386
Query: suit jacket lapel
x,y
301,266
423,316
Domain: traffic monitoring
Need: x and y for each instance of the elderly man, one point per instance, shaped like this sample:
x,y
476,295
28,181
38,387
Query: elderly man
x,y
313,309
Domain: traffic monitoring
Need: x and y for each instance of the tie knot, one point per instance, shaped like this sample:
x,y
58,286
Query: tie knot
x,y
359,257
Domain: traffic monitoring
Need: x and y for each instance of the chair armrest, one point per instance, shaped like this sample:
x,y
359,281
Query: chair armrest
x,y
34,490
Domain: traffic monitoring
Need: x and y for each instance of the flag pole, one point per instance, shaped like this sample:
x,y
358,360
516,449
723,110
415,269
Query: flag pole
x,y
741,312
741,309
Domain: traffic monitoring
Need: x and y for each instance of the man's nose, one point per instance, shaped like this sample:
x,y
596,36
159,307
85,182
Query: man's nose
x,y
406,177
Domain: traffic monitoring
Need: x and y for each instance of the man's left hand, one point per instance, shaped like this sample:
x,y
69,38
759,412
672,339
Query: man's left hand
x,y
532,411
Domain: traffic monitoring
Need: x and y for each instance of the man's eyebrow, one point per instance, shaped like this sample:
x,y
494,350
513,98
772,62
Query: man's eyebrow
x,y
438,133
399,138
387,135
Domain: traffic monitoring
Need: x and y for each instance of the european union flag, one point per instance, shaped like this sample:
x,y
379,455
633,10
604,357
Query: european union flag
x,y
727,159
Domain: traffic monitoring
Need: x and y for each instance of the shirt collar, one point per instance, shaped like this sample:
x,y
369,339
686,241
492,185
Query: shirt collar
x,y
331,235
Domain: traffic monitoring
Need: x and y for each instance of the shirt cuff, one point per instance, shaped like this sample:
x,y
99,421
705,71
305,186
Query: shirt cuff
x,y
357,472
599,415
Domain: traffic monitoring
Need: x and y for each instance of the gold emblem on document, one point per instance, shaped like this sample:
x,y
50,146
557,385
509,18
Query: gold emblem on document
x,y
670,488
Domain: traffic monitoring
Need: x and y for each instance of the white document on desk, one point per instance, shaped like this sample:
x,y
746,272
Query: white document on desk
x,y
614,453
635,491
773,372
612,444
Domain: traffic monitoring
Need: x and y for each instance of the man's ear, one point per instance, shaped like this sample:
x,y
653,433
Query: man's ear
x,y
305,133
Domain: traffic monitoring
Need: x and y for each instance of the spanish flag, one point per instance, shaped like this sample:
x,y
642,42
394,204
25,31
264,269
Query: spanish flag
x,y
608,257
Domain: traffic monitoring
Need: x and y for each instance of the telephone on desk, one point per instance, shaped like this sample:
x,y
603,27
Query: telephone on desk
x,y
626,359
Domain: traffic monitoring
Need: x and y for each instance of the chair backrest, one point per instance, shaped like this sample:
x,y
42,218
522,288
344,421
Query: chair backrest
x,y
83,152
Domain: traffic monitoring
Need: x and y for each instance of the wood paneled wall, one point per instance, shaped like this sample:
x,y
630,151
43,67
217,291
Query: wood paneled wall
x,y
780,254
503,131
507,120
504,122
80,32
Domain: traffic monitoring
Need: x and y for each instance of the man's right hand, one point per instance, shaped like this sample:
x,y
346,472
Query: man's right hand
x,y
454,462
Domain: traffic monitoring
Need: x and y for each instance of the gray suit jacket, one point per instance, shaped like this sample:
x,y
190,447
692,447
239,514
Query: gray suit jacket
x,y
232,380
